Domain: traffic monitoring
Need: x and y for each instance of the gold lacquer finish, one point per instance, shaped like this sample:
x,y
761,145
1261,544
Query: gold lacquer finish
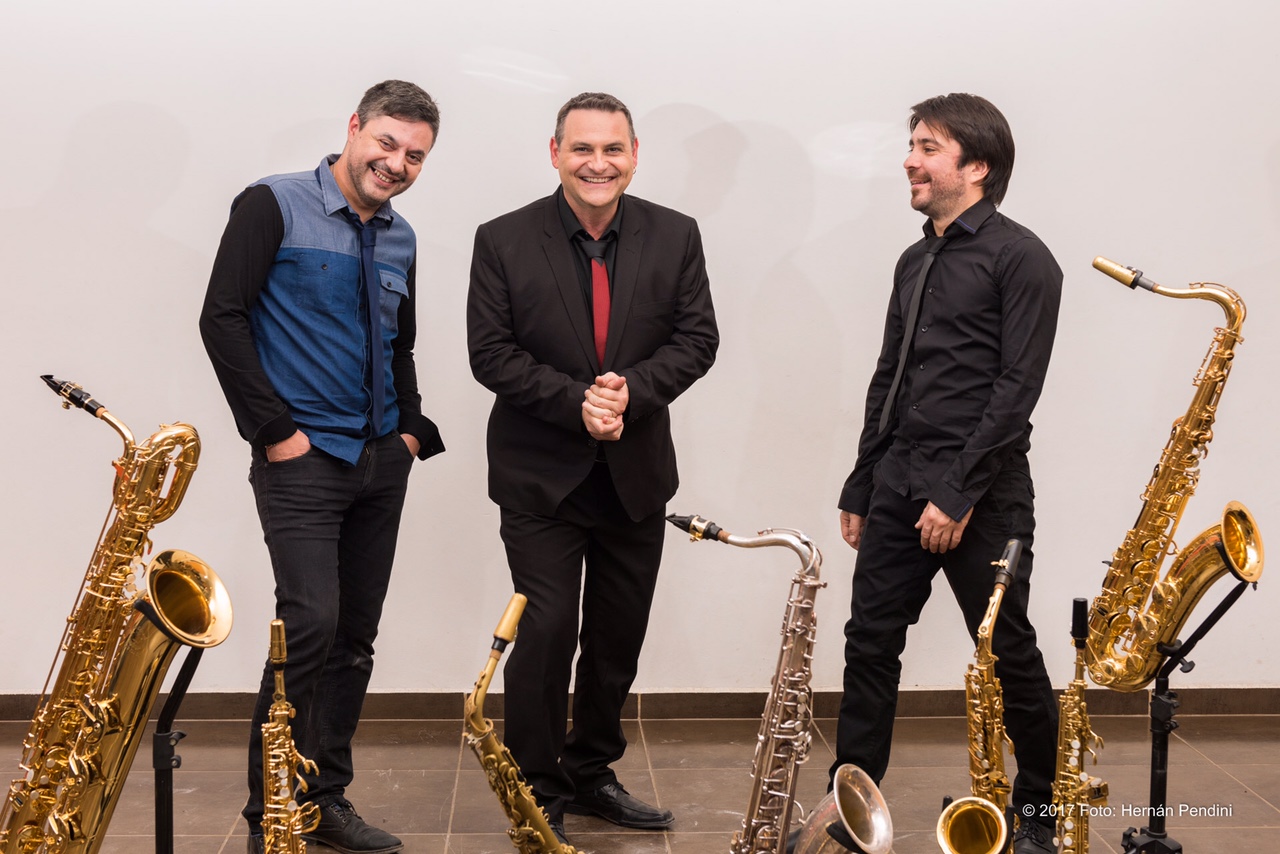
x,y
125,628
1075,790
284,820
786,725
977,824
530,831
1136,612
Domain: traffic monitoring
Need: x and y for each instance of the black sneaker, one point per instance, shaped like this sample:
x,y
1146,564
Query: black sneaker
x,y
342,829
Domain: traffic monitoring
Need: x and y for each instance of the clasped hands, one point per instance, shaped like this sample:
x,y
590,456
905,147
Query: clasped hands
x,y
606,401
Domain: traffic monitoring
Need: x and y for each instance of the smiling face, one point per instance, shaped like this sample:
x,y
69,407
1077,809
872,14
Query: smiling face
x,y
941,189
380,160
596,158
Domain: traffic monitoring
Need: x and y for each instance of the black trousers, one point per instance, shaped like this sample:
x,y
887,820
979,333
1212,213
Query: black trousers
x,y
892,582
547,555
331,530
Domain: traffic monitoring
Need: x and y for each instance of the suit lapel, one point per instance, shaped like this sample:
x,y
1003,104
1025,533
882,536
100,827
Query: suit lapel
x,y
626,271
560,258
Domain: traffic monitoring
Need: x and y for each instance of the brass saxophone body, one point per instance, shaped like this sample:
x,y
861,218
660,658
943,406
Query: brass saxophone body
x,y
284,820
1136,613
123,632
786,724
977,824
530,831
1075,791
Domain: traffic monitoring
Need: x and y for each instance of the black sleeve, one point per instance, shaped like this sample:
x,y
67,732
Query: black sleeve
x,y
405,371
247,251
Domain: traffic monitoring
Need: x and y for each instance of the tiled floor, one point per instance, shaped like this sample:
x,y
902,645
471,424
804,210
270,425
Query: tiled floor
x,y
416,779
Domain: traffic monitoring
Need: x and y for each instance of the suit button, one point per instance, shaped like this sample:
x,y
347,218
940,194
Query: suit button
x,y
591,443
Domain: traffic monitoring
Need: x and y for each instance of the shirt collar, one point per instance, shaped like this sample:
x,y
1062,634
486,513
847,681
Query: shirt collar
x,y
570,220
967,223
334,201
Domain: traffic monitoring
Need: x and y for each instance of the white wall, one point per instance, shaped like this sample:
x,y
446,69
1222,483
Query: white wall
x,y
1147,131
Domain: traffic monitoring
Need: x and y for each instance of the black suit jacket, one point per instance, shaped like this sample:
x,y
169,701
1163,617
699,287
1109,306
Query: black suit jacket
x,y
530,339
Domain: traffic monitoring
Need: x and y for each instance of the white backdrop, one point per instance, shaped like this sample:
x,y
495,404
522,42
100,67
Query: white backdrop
x,y
1146,131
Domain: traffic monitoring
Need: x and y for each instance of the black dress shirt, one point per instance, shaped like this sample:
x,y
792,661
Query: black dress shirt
x,y
578,234
975,369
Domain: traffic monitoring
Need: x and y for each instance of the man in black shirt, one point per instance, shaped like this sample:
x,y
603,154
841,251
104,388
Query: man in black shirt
x,y
942,480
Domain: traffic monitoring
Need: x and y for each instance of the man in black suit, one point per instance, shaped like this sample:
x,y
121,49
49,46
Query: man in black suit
x,y
588,313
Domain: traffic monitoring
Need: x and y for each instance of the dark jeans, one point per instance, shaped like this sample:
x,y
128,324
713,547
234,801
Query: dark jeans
x,y
892,582
546,555
331,531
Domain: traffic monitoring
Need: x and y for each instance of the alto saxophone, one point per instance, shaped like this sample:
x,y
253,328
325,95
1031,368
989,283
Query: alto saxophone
x,y
855,806
530,831
1075,791
122,634
283,819
1135,616
979,824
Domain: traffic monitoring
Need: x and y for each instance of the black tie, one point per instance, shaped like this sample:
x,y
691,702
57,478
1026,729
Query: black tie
x,y
932,247
373,304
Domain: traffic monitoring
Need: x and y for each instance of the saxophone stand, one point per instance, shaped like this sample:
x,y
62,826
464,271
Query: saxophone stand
x,y
1164,704
164,751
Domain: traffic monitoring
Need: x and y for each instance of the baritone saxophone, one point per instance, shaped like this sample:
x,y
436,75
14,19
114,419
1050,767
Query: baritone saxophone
x,y
854,809
124,630
979,824
1136,614
530,830
1075,791
284,820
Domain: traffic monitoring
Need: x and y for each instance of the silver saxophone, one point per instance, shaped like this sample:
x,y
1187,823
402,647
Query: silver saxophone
x,y
854,812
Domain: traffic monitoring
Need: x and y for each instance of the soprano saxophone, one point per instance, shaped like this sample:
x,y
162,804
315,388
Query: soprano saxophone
x,y
530,831
979,824
1135,616
855,808
122,634
1075,791
284,820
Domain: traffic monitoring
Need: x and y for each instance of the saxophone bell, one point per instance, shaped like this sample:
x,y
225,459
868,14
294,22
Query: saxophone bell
x,y
854,809
972,825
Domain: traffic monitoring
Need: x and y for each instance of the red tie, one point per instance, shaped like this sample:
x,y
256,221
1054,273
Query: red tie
x,y
600,305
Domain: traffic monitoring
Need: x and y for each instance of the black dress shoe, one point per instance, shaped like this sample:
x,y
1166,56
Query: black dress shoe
x,y
613,803
255,844
557,827
343,830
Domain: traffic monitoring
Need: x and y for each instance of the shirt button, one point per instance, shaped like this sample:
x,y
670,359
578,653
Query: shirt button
x,y
915,406
924,329
591,443
922,366
915,445
930,290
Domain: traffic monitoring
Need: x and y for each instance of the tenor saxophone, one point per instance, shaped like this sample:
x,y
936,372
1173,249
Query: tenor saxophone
x,y
978,824
1076,791
855,804
284,820
122,634
1136,616
530,831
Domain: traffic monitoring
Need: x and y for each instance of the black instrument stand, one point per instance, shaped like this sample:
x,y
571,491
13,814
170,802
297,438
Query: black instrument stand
x,y
164,752
1164,704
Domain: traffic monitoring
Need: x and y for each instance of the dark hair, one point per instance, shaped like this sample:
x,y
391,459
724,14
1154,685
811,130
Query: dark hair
x,y
399,100
981,131
593,101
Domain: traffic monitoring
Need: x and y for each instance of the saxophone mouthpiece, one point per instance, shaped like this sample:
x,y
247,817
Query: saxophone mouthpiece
x,y
1127,276
73,395
505,633
1080,622
696,527
279,651
1007,565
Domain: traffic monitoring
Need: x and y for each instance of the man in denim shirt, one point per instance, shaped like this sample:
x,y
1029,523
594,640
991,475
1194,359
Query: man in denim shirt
x,y
327,397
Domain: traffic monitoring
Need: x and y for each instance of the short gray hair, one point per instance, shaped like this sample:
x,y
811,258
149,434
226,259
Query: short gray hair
x,y
593,101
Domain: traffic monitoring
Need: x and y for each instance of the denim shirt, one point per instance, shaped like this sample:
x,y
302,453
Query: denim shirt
x,y
309,325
